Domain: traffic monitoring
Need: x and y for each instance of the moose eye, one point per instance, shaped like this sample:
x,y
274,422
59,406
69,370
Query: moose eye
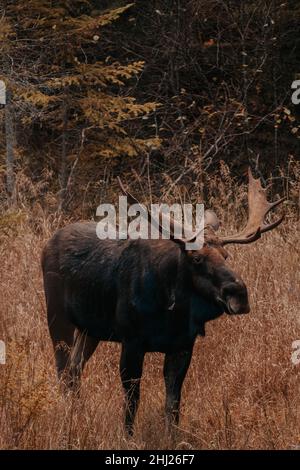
x,y
197,259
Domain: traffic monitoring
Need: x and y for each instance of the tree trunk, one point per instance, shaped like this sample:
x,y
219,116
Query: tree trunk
x,y
63,163
10,141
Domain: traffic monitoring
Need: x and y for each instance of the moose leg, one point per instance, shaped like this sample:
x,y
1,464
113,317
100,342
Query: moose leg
x,y
175,369
71,349
60,329
84,347
131,367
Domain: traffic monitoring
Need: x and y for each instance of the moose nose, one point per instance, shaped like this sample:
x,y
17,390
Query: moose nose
x,y
246,309
235,297
237,308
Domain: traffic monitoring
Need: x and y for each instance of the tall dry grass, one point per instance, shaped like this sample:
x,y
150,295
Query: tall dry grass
x,y
241,392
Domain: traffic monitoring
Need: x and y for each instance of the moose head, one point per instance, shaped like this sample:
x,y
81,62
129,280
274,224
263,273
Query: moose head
x,y
211,276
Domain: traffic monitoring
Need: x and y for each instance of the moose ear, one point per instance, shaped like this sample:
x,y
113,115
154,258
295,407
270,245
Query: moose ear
x,y
211,219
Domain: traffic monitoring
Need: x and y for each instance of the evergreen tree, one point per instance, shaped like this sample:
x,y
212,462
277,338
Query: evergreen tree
x,y
67,93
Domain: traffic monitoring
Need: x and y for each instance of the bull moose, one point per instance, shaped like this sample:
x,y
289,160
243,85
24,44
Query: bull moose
x,y
148,295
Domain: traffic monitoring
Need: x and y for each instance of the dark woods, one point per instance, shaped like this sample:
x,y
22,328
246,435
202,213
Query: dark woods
x,y
164,92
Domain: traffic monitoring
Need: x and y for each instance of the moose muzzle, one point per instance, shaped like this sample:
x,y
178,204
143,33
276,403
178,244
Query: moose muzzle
x,y
234,298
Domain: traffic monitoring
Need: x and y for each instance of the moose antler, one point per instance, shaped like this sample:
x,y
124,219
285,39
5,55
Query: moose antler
x,y
258,207
130,197
173,223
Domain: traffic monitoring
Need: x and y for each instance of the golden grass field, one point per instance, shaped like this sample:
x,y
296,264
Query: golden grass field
x,y
242,390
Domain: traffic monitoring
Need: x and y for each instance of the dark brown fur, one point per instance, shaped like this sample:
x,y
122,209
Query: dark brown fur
x,y
149,295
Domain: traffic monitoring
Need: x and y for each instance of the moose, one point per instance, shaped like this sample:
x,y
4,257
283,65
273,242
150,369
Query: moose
x,y
148,295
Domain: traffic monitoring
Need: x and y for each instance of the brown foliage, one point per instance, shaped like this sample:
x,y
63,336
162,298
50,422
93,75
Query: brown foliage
x,y
242,390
